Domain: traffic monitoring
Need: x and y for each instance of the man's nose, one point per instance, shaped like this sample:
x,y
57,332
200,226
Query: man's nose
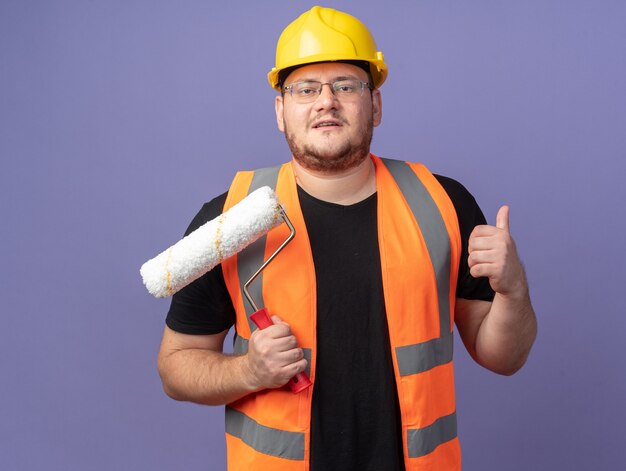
x,y
326,97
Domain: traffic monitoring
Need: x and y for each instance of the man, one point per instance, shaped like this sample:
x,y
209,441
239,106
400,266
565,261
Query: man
x,y
385,258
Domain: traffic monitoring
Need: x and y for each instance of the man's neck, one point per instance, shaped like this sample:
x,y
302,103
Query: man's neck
x,y
345,188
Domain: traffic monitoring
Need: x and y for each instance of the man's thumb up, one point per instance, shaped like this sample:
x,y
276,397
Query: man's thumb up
x,y
502,218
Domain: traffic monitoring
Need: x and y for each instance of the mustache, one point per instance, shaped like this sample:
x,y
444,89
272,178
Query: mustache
x,y
327,115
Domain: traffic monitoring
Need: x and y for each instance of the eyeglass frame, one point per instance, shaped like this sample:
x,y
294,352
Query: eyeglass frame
x,y
363,84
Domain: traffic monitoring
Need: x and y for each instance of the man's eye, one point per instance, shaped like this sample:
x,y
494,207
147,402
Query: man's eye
x,y
345,87
306,89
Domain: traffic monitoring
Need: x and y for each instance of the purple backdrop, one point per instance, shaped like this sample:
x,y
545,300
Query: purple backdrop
x,y
118,119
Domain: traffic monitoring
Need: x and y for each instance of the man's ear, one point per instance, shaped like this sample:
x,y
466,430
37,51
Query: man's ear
x,y
279,113
377,107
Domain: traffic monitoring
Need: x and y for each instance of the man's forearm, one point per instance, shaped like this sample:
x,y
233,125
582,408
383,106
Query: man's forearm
x,y
193,367
507,333
205,376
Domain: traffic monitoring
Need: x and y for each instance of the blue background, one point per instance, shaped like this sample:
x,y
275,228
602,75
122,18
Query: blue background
x,y
118,119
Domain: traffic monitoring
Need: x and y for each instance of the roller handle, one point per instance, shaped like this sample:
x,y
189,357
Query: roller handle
x,y
299,382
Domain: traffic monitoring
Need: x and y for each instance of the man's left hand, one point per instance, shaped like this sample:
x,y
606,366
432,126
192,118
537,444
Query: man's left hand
x,y
492,253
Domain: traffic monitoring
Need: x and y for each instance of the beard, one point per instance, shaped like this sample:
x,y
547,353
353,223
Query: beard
x,y
344,157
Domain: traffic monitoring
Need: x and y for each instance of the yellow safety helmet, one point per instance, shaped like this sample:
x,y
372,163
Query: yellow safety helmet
x,y
323,35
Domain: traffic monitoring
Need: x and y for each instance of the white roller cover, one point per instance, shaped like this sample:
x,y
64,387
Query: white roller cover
x,y
207,246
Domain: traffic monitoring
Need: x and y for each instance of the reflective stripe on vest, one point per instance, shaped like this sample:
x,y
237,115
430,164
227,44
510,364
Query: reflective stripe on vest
x,y
423,441
413,359
271,441
249,260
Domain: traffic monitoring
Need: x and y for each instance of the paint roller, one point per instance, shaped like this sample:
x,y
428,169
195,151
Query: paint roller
x,y
214,242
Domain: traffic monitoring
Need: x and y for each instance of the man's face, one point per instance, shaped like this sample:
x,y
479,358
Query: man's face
x,y
329,135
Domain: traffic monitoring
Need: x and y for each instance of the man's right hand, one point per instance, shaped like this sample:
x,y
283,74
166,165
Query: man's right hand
x,y
273,356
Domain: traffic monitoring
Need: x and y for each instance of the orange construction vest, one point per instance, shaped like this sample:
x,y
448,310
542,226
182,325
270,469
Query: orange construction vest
x,y
420,246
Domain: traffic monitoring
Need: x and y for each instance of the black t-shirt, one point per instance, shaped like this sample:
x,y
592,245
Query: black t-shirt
x,y
355,422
